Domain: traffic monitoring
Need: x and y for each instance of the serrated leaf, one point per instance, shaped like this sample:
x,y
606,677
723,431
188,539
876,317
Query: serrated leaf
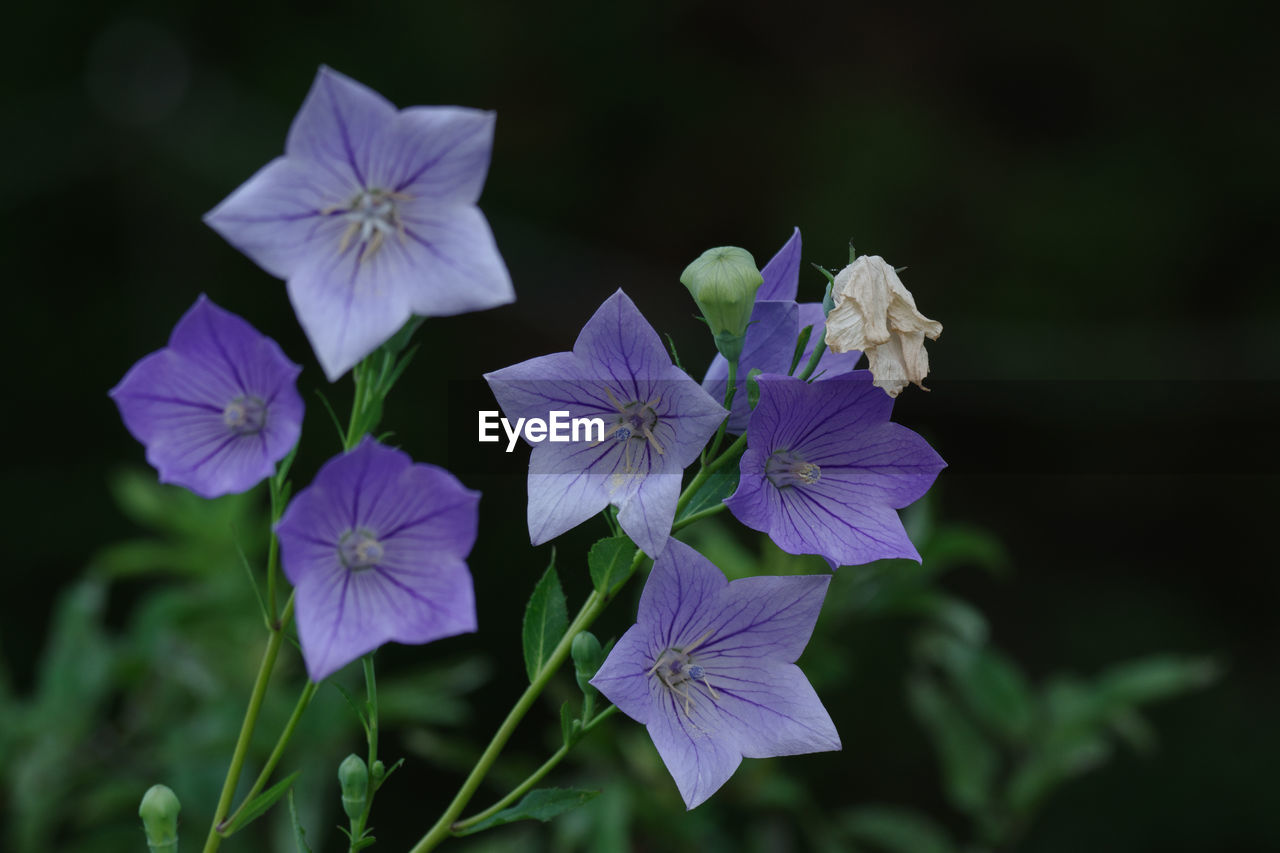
x,y
969,761
896,830
718,486
610,562
546,618
259,804
542,804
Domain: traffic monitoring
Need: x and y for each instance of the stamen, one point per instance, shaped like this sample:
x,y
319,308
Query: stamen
x,y
786,468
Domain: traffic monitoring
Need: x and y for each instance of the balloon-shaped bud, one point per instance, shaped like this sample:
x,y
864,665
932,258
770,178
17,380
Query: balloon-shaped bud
x,y
724,282
353,776
159,812
587,657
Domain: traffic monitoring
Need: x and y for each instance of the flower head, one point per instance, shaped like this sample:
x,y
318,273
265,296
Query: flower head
x,y
371,217
709,668
825,470
217,408
770,341
656,420
376,548
875,313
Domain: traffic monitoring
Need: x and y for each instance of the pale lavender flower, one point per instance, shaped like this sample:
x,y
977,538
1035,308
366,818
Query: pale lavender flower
x,y
825,470
371,217
217,408
770,342
709,668
656,422
376,548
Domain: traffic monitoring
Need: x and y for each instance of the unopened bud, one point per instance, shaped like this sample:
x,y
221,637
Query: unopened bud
x,y
724,282
587,657
159,812
353,776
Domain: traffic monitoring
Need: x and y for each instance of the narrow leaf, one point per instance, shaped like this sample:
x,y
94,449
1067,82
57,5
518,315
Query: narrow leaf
x,y
610,562
896,830
969,761
299,834
799,353
542,804
259,804
546,618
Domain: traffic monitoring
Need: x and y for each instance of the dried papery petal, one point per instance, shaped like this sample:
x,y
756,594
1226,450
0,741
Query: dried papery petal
x,y
875,313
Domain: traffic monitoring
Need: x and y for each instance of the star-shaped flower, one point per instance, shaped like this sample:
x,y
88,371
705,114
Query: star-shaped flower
x,y
709,668
770,343
825,470
656,420
371,217
376,547
217,408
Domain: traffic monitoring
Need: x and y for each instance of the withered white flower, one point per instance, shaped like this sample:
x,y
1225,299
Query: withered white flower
x,y
875,313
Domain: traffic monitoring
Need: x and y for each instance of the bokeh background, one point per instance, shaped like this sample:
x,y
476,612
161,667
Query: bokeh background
x,y
1084,195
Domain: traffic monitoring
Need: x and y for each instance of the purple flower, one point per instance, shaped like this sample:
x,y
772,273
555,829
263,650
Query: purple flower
x,y
376,547
709,668
770,342
825,471
371,217
216,408
655,418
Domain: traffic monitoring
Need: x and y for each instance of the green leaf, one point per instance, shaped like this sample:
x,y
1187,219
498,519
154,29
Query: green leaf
x,y
896,830
969,761
259,804
718,486
610,562
546,618
299,834
992,687
542,804
1159,677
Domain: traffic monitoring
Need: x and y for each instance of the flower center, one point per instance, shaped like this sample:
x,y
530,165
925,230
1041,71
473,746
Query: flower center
x,y
786,468
359,550
245,415
676,670
635,424
371,217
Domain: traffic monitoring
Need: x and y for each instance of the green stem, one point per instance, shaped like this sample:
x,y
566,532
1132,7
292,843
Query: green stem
x,y
371,694
819,348
246,729
534,778
730,389
277,753
442,829
699,515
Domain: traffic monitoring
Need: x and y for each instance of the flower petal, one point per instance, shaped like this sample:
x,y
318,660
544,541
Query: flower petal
x,y
782,273
452,263
646,515
284,214
696,745
338,126
623,678
436,153
765,617
772,708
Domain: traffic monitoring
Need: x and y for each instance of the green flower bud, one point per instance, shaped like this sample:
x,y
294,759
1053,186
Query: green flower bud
x,y
353,776
724,282
587,657
159,812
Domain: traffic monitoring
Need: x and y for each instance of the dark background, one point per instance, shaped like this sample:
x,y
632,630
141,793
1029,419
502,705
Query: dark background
x,y
1085,198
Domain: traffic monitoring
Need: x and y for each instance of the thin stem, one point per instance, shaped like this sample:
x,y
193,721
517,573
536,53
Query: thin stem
x,y
277,753
730,389
591,608
818,349
371,694
534,778
714,509
246,730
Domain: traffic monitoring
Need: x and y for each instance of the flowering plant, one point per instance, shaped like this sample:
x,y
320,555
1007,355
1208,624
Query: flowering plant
x,y
371,218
